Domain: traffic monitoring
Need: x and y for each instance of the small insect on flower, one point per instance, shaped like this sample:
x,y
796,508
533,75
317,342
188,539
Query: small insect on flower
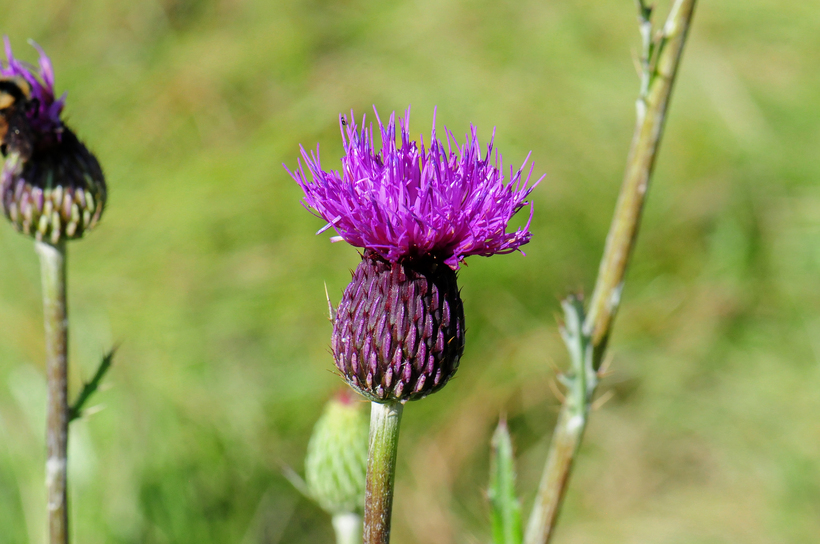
x,y
16,106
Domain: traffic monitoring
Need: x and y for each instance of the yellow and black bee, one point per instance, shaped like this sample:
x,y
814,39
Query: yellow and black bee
x,y
17,108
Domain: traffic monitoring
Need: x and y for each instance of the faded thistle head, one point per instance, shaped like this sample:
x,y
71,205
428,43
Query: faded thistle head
x,y
417,212
52,187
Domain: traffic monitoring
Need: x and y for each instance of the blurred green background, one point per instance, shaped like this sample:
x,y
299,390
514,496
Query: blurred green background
x,y
207,270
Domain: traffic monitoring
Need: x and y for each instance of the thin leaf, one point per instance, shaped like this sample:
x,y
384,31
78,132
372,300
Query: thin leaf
x,y
296,481
505,509
89,388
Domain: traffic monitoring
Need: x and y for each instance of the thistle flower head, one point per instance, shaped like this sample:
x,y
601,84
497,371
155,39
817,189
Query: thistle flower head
x,y
52,186
417,211
408,201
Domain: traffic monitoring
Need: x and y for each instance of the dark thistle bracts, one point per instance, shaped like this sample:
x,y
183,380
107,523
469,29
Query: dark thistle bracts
x,y
52,187
399,329
58,193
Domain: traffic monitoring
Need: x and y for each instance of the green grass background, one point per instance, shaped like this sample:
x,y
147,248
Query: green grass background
x,y
207,270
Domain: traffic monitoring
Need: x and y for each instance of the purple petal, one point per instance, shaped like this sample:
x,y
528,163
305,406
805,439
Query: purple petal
x,y
406,201
47,116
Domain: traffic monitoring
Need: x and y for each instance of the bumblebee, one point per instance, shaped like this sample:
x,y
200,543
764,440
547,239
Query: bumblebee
x,y
17,109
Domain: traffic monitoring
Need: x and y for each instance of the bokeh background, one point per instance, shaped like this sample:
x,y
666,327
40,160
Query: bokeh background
x,y
207,271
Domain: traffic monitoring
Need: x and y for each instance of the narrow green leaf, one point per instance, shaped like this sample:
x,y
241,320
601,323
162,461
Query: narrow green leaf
x,y
505,508
76,410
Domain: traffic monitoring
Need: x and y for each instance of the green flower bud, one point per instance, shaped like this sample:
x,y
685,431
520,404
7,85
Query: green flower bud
x,y
336,460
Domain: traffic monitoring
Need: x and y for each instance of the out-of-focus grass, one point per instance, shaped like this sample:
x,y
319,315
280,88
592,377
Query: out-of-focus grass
x,y
206,268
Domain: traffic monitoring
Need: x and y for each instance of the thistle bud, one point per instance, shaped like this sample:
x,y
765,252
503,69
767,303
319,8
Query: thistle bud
x,y
52,187
336,459
399,329
59,193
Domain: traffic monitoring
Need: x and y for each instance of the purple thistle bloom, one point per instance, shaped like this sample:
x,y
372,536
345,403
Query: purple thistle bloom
x,y
46,117
52,186
398,333
409,202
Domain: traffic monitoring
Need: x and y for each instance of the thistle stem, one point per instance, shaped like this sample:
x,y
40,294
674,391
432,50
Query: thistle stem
x,y
348,528
660,65
53,271
661,58
381,471
565,442
580,381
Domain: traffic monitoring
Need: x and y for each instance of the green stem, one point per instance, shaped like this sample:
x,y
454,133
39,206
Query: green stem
x,y
569,430
381,471
660,62
348,527
53,271
581,381
658,77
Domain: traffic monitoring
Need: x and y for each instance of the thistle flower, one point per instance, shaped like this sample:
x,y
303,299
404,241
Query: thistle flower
x,y
418,213
52,187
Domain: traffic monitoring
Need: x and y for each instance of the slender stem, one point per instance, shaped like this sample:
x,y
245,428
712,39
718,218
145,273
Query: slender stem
x,y
580,381
53,271
381,471
565,442
348,527
660,63
658,77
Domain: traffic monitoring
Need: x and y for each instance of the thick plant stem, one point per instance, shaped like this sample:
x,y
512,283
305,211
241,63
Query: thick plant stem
x,y
381,471
53,271
661,57
348,528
